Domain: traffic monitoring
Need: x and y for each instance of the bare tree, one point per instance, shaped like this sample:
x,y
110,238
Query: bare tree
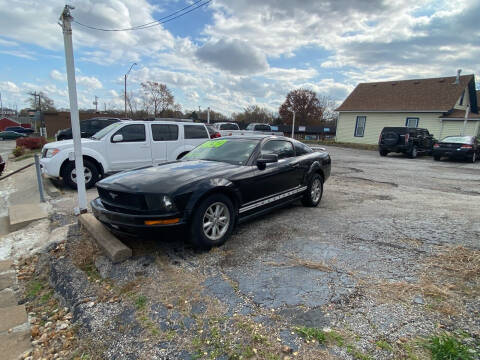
x,y
40,101
254,114
157,97
308,108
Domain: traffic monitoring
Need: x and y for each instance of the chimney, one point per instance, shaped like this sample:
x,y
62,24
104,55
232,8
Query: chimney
x,y
457,80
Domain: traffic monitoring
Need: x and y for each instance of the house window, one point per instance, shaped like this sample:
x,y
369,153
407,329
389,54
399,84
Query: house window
x,y
411,122
360,126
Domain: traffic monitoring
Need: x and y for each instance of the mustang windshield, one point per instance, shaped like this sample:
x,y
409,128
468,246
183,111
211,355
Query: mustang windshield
x,y
233,151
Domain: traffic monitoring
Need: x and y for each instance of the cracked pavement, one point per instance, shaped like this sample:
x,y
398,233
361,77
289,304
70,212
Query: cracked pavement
x,y
381,220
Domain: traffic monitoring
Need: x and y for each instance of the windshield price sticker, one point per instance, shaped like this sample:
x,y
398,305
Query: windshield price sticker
x,y
213,143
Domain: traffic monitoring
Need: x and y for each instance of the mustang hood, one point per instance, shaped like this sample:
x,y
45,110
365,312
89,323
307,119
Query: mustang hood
x,y
164,178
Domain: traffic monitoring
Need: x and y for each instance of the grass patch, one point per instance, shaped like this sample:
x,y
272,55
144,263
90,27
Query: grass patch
x,y
448,347
357,354
322,336
140,302
384,345
34,287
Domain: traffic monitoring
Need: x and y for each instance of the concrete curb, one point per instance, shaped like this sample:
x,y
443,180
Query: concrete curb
x,y
113,248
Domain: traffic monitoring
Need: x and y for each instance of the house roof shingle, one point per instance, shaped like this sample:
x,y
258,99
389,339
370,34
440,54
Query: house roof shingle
x,y
436,94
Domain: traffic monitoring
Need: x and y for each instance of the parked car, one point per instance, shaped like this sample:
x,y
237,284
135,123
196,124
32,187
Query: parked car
x,y
20,130
216,185
409,141
252,129
2,165
212,131
226,126
457,147
10,135
88,128
122,146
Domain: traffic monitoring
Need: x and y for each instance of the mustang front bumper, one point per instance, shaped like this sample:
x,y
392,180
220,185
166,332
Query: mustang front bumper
x,y
133,224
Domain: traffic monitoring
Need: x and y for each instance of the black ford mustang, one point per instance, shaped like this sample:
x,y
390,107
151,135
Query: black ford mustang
x,y
216,185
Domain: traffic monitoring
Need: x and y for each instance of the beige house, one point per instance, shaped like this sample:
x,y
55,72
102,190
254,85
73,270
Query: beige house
x,y
437,104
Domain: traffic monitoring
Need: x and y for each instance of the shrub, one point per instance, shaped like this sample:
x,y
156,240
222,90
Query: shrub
x,y
32,142
18,151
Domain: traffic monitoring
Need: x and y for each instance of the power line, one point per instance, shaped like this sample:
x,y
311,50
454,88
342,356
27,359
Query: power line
x,y
160,21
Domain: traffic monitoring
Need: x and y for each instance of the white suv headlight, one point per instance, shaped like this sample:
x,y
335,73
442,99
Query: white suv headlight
x,y
51,152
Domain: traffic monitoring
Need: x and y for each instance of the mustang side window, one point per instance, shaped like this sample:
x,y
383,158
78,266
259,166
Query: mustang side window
x,y
283,149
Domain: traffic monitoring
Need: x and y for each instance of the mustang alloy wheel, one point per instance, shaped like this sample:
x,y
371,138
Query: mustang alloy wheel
x,y
314,192
212,222
216,221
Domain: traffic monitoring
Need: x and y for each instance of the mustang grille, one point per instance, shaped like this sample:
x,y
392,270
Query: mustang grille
x,y
122,199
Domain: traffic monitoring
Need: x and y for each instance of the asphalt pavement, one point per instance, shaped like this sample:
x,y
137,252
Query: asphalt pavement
x,y
368,263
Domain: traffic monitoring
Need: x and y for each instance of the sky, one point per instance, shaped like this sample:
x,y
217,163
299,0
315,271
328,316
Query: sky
x,y
230,54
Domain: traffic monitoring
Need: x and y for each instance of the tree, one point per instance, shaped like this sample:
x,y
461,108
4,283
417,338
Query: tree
x,y
46,104
253,114
157,98
308,108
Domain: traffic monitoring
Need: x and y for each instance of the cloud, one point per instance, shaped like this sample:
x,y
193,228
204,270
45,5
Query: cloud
x,y
90,82
235,56
57,75
19,53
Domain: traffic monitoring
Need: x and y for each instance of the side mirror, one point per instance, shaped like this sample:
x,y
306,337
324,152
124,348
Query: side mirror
x,y
265,159
117,138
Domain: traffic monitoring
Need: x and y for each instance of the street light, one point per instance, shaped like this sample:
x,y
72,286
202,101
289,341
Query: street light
x,y
128,72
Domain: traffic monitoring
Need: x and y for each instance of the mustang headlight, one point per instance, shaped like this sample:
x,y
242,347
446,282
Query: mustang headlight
x,y
160,202
51,152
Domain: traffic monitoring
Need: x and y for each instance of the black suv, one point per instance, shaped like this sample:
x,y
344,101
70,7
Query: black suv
x,y
410,141
88,128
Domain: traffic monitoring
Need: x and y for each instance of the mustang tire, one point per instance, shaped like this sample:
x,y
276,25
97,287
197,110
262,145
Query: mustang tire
x,y
91,174
314,192
212,221
383,152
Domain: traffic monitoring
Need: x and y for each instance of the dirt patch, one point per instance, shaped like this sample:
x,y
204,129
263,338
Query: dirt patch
x,y
447,282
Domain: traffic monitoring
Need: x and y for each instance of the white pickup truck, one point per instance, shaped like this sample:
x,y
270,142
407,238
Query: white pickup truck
x,y
122,146
231,128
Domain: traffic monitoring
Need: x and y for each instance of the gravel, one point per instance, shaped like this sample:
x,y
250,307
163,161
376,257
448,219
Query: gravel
x,y
380,222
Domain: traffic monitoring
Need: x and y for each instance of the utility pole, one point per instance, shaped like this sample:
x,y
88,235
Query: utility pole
x,y
125,88
208,115
293,125
1,105
66,25
105,107
96,103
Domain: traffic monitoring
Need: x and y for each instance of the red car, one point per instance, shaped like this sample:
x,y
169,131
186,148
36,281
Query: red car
x,y
2,165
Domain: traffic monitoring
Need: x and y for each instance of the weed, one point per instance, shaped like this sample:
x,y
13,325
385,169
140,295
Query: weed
x,y
33,288
311,333
357,354
140,302
45,297
446,347
384,345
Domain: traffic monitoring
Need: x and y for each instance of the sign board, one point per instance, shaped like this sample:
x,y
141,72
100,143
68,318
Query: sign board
x,y
301,128
326,129
274,127
310,137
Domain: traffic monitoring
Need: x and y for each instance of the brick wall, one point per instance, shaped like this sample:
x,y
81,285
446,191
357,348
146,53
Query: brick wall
x,y
55,121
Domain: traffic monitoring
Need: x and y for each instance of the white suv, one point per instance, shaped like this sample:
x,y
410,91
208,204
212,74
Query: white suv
x,y
122,146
